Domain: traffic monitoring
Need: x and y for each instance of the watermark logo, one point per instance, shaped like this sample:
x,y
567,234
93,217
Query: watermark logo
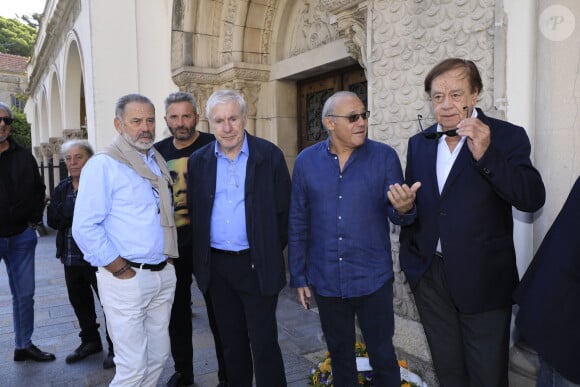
x,y
557,23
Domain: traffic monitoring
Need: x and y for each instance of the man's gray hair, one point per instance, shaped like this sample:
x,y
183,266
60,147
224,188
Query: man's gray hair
x,y
127,99
222,97
331,102
181,96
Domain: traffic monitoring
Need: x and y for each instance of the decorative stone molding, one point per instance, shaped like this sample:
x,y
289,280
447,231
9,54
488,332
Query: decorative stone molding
x,y
312,28
206,76
266,36
339,5
47,151
228,31
350,19
72,134
251,92
56,143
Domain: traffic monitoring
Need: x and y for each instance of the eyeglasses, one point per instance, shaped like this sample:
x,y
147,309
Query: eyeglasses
x,y
437,135
354,117
7,120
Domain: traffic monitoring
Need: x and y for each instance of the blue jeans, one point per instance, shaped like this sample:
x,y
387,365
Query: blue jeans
x,y
549,377
376,320
18,254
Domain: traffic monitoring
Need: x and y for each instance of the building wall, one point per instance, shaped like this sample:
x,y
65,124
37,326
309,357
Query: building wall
x,y
122,50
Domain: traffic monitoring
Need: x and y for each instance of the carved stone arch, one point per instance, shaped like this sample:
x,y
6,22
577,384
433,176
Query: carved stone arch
x,y
245,31
231,32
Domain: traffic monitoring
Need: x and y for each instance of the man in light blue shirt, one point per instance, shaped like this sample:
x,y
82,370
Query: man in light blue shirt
x,y
124,224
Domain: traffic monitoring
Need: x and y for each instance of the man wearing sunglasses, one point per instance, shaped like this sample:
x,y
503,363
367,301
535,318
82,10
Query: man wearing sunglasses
x,y
21,206
344,192
458,255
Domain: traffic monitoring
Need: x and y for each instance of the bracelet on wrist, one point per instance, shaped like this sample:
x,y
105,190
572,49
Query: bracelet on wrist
x,y
121,270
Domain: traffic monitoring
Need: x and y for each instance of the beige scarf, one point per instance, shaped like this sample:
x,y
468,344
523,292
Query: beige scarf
x,y
125,153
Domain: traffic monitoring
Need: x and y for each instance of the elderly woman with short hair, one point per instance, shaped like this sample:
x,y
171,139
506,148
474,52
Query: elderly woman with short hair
x,y
79,275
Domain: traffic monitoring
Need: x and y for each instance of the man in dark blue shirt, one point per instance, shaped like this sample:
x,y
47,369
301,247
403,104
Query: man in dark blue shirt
x,y
344,191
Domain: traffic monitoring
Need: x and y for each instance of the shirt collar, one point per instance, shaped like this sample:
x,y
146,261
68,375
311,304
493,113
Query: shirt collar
x,y
245,148
146,157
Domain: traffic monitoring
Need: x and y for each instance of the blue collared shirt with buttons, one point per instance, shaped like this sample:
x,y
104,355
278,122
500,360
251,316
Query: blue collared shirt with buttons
x,y
228,218
339,240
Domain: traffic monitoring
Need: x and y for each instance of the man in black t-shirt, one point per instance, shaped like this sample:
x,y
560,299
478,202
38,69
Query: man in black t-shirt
x,y
181,119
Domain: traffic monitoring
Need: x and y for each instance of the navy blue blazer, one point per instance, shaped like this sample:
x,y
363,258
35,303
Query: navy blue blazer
x,y
472,215
549,294
267,201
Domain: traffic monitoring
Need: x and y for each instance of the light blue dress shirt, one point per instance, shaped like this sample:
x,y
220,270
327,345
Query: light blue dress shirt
x,y
117,213
228,220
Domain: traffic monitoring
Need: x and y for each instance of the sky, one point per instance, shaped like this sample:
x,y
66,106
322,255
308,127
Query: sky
x,y
10,8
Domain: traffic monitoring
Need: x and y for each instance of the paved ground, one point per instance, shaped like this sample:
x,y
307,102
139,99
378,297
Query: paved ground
x,y
56,330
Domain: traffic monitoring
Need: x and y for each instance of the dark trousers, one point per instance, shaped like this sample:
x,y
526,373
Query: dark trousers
x,y
80,283
376,320
247,323
180,324
467,349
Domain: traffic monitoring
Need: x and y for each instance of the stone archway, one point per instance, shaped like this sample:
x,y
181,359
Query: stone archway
x,y
254,46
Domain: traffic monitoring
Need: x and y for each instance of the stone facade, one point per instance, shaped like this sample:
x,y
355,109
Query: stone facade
x,y
262,48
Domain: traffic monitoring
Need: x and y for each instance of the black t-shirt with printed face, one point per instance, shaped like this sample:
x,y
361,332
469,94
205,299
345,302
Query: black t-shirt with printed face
x,y
177,164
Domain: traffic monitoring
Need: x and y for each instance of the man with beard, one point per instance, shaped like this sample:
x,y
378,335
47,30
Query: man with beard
x,y
181,118
124,225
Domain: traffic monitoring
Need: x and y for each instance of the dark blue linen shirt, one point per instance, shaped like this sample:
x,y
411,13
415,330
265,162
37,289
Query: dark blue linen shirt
x,y
339,239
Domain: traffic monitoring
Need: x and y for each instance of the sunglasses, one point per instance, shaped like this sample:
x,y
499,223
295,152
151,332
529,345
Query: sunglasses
x,y
354,117
437,135
7,120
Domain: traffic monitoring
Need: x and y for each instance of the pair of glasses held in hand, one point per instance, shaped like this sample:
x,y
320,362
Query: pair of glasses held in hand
x,y
437,135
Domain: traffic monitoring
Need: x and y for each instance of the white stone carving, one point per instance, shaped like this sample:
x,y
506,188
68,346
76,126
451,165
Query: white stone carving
x,y
312,28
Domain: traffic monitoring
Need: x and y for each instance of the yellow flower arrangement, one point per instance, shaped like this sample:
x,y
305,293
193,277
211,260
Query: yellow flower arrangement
x,y
321,375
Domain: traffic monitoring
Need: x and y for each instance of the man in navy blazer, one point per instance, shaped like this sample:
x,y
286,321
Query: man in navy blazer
x,y
549,298
458,255
239,192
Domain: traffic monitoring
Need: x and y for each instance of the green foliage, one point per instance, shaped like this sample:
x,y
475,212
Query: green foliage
x,y
16,37
20,129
